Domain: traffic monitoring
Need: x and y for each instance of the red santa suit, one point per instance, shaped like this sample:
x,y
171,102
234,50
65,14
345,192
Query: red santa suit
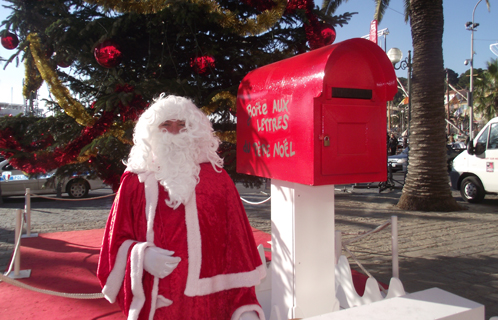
x,y
219,266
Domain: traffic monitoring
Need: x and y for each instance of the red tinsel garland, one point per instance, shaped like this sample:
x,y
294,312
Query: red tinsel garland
x,y
48,161
134,109
44,161
110,174
12,144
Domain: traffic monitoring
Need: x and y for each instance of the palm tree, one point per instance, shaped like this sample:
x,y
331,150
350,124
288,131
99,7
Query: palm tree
x,y
427,184
426,187
486,91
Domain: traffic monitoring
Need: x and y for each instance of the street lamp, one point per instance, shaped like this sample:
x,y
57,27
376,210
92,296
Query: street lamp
x,y
471,26
395,55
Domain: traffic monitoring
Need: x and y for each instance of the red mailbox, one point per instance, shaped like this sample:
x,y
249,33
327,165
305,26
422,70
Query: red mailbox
x,y
317,118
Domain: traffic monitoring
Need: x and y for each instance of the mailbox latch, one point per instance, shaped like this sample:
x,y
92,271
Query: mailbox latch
x,y
326,141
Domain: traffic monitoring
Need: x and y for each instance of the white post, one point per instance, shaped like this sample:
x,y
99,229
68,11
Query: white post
x,y
18,273
27,212
17,258
394,234
303,260
338,245
27,209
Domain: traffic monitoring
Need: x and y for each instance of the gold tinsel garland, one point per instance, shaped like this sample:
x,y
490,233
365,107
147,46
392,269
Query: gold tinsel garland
x,y
33,79
229,98
118,131
72,107
254,26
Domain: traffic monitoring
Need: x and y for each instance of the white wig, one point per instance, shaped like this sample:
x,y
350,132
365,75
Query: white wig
x,y
198,130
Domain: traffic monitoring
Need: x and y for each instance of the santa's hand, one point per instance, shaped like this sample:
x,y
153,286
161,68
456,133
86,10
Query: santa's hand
x,y
159,262
250,315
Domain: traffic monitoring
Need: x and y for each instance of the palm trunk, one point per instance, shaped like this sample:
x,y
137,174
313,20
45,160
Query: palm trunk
x,y
427,184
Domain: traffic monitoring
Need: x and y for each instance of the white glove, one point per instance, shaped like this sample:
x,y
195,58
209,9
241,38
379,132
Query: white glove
x,y
159,262
250,315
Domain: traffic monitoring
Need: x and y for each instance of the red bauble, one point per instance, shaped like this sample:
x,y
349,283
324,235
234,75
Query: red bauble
x,y
9,40
319,34
201,65
328,34
64,64
63,60
108,54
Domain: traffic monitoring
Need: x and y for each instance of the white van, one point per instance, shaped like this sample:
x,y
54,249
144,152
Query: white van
x,y
473,171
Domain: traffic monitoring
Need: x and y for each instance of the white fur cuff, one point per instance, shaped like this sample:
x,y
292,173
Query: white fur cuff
x,y
116,277
247,308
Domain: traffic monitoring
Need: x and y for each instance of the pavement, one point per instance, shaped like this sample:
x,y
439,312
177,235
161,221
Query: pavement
x,y
455,251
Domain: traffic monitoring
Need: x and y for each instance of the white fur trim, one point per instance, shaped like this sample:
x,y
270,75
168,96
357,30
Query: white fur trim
x,y
153,300
116,277
137,270
163,302
248,308
195,285
194,246
151,196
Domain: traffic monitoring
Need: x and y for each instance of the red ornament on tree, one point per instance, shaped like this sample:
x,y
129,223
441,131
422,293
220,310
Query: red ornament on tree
x,y
63,60
64,63
328,34
319,34
201,65
108,54
9,40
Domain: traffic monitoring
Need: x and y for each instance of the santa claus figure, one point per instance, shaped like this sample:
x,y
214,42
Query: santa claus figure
x,y
178,244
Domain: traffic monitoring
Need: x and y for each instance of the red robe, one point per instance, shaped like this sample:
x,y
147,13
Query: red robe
x,y
220,264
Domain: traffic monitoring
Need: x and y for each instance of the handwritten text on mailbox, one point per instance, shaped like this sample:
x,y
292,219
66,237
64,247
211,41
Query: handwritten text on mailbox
x,y
271,119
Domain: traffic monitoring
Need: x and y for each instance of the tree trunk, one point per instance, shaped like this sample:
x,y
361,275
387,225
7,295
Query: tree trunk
x,y
427,183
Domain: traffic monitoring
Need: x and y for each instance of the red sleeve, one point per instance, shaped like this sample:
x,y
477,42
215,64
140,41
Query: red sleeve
x,y
239,230
227,239
125,221
243,254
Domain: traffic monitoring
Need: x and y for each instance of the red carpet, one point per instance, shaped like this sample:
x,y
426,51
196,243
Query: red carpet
x,y
64,262
67,262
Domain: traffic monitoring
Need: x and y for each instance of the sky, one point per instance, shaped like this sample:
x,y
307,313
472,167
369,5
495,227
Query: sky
x,y
456,39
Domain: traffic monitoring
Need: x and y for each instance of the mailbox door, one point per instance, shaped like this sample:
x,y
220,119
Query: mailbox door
x,y
354,142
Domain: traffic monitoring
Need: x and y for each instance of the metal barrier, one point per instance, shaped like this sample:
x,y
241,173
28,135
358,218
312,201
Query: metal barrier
x,y
27,207
15,263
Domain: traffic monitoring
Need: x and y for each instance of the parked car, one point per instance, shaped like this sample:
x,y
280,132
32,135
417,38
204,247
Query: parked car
x,y
14,183
399,161
473,171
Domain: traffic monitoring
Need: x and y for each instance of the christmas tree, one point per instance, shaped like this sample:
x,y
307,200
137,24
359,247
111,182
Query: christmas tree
x,y
106,60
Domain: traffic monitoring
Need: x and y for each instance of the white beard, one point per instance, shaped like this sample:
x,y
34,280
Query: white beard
x,y
177,167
